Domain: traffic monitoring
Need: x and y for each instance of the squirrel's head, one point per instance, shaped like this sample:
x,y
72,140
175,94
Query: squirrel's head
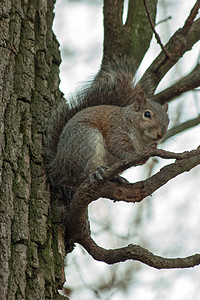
x,y
150,119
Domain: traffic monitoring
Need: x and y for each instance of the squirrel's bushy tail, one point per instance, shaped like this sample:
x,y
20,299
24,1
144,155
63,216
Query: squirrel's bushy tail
x,y
54,126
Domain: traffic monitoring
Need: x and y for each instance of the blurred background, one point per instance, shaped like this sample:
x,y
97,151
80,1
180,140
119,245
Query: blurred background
x,y
166,223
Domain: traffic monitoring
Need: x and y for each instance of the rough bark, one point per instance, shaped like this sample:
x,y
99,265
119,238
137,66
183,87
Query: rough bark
x,y
31,253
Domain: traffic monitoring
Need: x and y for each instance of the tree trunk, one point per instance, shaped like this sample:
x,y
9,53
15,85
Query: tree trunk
x,y
31,248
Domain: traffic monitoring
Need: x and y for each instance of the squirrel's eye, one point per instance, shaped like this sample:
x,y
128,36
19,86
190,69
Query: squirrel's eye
x,y
147,114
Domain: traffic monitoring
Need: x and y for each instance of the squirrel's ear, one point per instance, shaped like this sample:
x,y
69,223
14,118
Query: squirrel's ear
x,y
166,106
140,100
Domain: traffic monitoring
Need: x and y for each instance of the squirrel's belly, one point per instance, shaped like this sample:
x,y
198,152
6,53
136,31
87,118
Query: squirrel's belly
x,y
100,156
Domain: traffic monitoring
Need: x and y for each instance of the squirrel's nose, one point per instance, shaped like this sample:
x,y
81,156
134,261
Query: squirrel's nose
x,y
161,132
159,135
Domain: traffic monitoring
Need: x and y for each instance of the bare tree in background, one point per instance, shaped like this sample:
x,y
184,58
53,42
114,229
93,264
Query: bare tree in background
x,y
33,221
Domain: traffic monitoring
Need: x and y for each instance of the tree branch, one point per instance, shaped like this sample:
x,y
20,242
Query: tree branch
x,y
136,252
123,39
187,83
182,127
179,43
113,11
189,21
136,192
78,224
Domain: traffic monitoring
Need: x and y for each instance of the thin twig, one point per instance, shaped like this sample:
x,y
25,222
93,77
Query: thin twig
x,y
164,20
153,29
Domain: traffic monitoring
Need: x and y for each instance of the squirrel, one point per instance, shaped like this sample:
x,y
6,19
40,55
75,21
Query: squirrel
x,y
108,121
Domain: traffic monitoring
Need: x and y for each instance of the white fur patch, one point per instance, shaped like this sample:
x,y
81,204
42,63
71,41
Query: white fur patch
x,y
100,153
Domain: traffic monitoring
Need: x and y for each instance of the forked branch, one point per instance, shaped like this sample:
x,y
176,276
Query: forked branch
x,y
182,41
78,223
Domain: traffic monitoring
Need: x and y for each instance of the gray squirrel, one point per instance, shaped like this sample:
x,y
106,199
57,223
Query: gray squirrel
x,y
108,121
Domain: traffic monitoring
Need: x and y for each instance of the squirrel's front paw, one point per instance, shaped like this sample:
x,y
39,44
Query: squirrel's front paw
x,y
98,173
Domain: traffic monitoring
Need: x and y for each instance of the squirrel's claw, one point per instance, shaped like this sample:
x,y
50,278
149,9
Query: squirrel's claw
x,y
98,173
